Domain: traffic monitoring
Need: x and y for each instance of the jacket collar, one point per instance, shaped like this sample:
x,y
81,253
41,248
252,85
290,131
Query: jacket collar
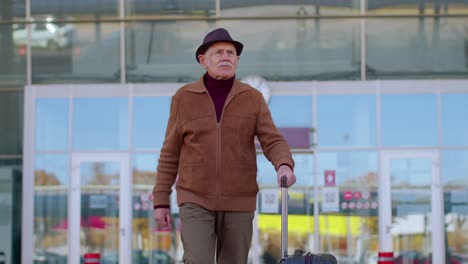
x,y
199,87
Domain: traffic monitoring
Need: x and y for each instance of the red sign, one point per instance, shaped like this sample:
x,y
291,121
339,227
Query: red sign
x,y
348,196
357,195
329,178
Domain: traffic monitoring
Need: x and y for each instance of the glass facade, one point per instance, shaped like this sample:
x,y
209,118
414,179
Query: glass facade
x,y
11,178
339,129
11,118
351,230
347,145
418,128
417,48
51,179
454,179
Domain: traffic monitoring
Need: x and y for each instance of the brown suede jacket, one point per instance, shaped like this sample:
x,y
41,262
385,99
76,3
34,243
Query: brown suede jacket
x,y
216,162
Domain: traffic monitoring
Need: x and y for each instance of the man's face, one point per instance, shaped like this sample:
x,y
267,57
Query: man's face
x,y
220,60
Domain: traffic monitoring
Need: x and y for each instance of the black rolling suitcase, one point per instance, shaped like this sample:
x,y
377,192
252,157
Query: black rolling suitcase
x,y
298,257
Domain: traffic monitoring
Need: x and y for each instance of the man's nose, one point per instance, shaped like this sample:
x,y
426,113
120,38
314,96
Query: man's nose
x,y
225,56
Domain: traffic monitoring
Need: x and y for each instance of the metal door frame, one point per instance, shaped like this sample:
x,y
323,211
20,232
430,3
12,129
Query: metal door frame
x,y
125,204
437,202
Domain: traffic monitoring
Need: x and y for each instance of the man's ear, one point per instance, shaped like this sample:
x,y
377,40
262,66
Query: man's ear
x,y
201,59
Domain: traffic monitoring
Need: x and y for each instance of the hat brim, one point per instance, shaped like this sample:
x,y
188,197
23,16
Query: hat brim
x,y
202,49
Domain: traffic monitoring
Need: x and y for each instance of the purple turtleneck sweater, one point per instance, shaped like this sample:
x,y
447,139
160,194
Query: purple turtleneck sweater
x,y
218,90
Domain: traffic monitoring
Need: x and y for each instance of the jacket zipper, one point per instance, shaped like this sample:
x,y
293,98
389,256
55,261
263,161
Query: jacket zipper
x,y
218,142
218,156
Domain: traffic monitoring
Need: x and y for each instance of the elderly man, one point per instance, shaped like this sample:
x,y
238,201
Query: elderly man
x,y
209,144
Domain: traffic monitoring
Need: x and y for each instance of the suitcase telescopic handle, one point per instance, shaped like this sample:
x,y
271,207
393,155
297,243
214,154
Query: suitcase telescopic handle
x,y
284,217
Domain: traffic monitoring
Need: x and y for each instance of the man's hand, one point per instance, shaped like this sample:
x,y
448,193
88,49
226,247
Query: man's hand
x,y
162,216
285,170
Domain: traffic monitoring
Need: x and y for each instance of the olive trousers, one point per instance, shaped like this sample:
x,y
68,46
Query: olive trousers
x,y
208,235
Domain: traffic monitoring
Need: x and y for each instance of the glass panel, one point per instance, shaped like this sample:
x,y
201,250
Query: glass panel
x,y
349,205
10,208
51,178
149,133
170,7
346,120
11,123
291,110
300,208
12,9
150,244
455,180
75,9
306,49
13,54
409,120
164,51
100,124
75,53
52,124
411,209
454,125
303,170
425,48
303,50
376,7
100,209
288,8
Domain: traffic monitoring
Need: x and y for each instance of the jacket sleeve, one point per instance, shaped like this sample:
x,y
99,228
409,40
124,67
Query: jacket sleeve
x,y
274,146
169,158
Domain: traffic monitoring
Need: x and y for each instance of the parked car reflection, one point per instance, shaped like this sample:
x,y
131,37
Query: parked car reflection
x,y
45,34
43,256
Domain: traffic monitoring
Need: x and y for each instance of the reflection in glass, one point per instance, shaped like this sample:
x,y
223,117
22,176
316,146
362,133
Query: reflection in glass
x,y
170,7
100,124
454,125
288,8
144,170
299,50
151,243
408,120
430,7
100,209
291,110
11,122
266,174
277,50
164,51
12,9
10,208
300,207
411,208
51,178
349,225
13,66
455,182
52,124
150,115
75,53
346,120
75,9
425,48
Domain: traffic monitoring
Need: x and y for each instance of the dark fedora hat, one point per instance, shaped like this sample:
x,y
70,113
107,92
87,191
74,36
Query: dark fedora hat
x,y
218,35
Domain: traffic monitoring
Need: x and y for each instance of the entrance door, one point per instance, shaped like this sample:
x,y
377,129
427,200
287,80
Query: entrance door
x,y
411,216
99,214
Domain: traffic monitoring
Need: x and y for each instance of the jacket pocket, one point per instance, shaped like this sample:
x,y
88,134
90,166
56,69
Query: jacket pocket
x,y
241,179
196,177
